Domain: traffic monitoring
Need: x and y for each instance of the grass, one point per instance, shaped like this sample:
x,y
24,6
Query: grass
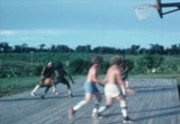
x,y
10,86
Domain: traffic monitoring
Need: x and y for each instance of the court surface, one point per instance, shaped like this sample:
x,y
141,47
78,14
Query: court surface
x,y
156,102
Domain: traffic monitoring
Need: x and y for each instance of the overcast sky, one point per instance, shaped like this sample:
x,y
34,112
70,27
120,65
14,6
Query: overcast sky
x,y
80,22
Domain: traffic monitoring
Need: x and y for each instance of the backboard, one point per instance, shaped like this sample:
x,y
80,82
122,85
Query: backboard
x,y
161,6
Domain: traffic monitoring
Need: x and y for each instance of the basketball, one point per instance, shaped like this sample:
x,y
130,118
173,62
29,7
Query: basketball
x,y
48,81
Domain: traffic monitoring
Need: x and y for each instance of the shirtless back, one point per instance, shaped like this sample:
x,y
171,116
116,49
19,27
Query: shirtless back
x,y
90,88
93,74
114,75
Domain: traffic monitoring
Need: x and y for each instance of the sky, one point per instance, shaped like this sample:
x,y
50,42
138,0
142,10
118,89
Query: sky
x,y
110,23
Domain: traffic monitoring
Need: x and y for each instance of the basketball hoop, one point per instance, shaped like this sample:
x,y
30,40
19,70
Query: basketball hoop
x,y
143,11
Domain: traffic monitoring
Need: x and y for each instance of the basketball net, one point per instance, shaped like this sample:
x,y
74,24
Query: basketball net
x,y
143,11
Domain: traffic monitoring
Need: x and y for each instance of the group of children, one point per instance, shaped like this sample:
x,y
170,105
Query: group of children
x,y
51,75
114,84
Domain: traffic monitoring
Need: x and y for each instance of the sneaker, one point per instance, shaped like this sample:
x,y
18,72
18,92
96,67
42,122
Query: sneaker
x,y
71,113
56,93
42,97
96,116
70,96
32,94
127,120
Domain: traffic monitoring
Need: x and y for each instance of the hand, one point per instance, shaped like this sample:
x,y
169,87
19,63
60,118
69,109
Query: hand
x,y
130,91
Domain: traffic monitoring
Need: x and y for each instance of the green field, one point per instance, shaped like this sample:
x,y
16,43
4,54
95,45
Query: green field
x,y
15,85
17,70
10,86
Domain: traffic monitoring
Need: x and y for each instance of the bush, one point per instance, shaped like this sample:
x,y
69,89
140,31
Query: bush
x,y
131,65
105,65
38,70
148,62
169,67
79,66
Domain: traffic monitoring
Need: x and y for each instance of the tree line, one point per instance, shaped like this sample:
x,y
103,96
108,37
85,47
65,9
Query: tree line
x,y
132,50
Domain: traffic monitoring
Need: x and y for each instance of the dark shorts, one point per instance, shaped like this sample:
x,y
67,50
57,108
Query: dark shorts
x,y
60,80
45,85
90,87
42,84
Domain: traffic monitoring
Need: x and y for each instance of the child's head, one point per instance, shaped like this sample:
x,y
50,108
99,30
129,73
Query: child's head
x,y
50,64
117,60
97,60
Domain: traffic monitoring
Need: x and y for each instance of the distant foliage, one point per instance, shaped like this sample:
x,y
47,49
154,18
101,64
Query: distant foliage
x,y
59,48
131,65
37,70
16,69
105,65
168,67
148,62
29,64
79,66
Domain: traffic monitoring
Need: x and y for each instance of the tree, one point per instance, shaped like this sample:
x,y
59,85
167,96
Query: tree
x,y
42,46
156,49
4,47
53,48
104,49
148,62
17,49
143,51
175,49
86,48
24,47
134,49
79,66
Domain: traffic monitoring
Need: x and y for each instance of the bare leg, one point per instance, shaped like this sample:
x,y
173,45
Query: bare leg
x,y
109,101
88,98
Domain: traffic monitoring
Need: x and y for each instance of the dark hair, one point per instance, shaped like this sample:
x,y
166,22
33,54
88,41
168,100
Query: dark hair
x,y
58,65
97,60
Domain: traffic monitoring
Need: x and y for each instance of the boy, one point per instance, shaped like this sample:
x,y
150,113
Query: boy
x,y
112,88
59,77
90,88
47,75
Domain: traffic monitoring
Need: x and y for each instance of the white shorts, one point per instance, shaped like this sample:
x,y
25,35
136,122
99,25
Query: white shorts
x,y
112,90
